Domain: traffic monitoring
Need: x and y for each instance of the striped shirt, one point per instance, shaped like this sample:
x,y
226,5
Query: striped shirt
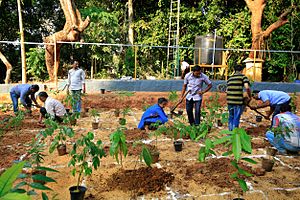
x,y
235,86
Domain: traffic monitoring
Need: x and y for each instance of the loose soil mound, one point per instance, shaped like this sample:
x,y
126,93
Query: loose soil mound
x,y
135,134
215,172
256,144
135,151
257,131
141,181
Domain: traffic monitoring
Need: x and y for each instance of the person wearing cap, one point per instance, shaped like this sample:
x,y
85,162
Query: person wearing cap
x,y
193,82
76,84
285,134
235,96
271,98
23,91
52,107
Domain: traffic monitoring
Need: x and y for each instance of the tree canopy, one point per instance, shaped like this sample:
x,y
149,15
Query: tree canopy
x,y
109,24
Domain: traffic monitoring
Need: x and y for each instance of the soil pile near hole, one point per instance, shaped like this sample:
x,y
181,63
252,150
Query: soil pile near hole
x,y
257,131
136,134
215,172
141,181
135,151
256,144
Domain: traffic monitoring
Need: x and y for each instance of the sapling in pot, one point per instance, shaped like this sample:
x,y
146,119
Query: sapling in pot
x,y
84,150
118,145
95,115
59,141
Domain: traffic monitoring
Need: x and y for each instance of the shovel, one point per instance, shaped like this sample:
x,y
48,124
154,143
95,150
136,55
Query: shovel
x,y
177,104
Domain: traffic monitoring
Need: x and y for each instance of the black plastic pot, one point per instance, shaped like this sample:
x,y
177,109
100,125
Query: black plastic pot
x,y
155,156
62,149
68,110
77,193
219,122
238,198
95,125
102,91
180,112
178,145
258,118
267,164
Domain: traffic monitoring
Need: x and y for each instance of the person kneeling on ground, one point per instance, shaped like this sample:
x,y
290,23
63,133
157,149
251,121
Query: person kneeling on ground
x,y
53,108
154,114
285,134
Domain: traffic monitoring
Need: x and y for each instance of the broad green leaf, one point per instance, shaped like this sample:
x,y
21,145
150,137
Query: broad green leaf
x,y
249,160
39,186
21,184
236,146
40,177
44,196
15,196
47,169
227,153
243,184
244,172
147,156
201,154
9,176
222,140
245,140
234,163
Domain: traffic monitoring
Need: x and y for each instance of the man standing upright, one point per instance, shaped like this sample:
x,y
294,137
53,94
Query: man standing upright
x,y
23,91
193,82
76,84
235,96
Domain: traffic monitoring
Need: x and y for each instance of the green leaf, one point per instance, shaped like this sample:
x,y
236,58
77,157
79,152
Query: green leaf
x,y
201,154
47,169
243,184
15,196
222,140
40,177
245,140
44,196
9,176
234,175
39,186
227,153
249,160
147,156
236,146
244,172
234,163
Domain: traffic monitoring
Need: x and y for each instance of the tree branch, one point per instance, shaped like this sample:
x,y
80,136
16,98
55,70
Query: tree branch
x,y
280,22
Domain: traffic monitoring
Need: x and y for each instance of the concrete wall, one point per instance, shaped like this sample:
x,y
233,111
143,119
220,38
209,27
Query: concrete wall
x,y
161,85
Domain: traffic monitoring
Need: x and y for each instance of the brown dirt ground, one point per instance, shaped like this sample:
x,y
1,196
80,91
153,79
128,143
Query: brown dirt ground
x,y
200,181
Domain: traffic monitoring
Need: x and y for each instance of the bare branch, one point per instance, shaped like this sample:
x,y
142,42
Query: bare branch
x,y
280,22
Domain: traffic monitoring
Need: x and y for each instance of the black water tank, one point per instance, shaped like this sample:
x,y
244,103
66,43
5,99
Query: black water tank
x,y
204,55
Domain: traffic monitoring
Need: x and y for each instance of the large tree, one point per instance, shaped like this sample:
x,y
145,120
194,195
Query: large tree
x,y
258,34
73,28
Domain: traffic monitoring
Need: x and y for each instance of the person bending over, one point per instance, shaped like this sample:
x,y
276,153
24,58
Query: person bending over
x,y
23,91
285,134
52,107
154,114
273,99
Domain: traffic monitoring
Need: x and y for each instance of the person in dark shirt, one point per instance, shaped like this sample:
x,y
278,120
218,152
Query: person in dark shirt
x,y
235,96
154,114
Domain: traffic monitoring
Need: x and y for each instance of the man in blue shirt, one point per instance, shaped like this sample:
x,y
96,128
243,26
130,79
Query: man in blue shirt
x,y
193,82
23,91
274,99
154,114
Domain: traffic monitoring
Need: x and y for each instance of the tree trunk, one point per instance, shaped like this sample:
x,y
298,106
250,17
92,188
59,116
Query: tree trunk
x,y
71,32
23,55
8,68
130,20
258,35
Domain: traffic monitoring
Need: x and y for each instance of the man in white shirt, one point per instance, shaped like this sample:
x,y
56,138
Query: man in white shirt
x,y
76,84
185,68
52,107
